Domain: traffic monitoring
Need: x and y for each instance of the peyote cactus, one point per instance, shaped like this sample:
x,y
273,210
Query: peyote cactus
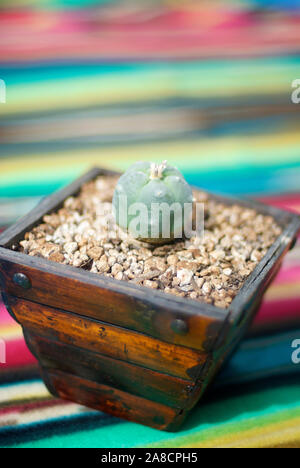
x,y
149,202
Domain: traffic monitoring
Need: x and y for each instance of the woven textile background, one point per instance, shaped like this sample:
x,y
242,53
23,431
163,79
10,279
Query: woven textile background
x,y
206,85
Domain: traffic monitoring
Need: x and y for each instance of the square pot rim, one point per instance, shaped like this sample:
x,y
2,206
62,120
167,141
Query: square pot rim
x,y
289,221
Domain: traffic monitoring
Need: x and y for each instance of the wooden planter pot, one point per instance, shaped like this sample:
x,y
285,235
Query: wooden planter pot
x,y
134,352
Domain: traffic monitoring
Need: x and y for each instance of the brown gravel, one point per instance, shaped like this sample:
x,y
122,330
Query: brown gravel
x,y
211,270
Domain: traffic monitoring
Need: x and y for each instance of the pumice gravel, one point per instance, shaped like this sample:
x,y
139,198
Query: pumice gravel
x,y
211,269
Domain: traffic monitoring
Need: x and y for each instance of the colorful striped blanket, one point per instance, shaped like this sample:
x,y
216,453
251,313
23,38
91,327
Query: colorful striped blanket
x,y
206,85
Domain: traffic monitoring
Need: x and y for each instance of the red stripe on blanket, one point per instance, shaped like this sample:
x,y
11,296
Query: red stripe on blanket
x,y
279,311
5,318
288,276
17,355
16,352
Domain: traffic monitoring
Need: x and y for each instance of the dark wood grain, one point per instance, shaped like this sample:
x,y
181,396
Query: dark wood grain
x,y
108,300
112,341
155,386
113,401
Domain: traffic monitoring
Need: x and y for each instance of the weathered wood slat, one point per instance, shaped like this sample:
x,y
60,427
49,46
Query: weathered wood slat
x,y
117,302
155,386
113,401
109,340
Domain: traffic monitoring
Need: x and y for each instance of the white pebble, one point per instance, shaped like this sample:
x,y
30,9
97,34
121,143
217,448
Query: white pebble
x,y
185,276
227,271
71,247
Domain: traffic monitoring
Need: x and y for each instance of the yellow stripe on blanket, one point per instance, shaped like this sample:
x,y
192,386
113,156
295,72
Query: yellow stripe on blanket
x,y
11,332
27,391
138,87
204,153
270,436
283,291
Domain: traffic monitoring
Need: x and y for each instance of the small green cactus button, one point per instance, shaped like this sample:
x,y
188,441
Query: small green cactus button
x,y
150,201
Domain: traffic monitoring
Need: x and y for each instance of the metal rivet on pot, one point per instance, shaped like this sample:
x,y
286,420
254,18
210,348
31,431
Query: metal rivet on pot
x,y
179,326
22,280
